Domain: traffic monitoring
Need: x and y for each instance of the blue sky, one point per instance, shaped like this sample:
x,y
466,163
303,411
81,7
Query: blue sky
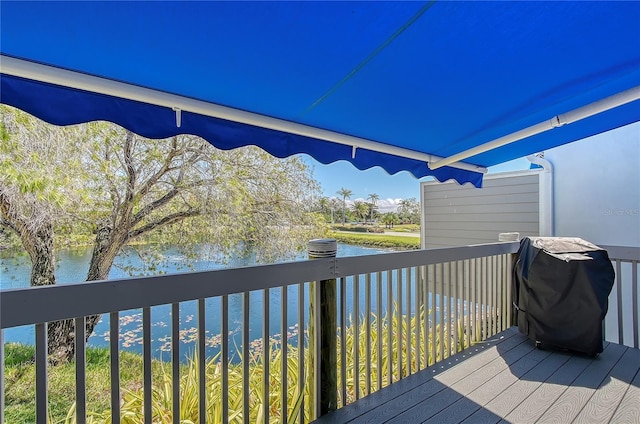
x,y
390,188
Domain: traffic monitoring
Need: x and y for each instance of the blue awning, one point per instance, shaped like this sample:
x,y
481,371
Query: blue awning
x,y
398,85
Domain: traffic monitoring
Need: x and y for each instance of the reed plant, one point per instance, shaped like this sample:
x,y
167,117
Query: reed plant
x,y
132,394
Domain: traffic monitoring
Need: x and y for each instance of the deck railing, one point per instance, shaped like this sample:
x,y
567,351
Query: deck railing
x,y
622,325
397,313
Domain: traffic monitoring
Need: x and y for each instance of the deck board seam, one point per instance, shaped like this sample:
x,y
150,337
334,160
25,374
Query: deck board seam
x,y
564,359
472,351
626,390
572,385
595,391
453,382
480,406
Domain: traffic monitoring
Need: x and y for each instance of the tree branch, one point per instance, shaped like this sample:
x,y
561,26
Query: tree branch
x,y
169,219
131,171
16,224
166,167
158,203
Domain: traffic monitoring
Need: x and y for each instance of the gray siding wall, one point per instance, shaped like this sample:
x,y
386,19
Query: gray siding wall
x,y
454,215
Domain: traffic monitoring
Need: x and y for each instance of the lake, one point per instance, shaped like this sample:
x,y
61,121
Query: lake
x,y
72,266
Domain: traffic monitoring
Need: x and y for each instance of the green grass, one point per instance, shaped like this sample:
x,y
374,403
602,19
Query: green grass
x,y
405,228
20,379
20,382
378,240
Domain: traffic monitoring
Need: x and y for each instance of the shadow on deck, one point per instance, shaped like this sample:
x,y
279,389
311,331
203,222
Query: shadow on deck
x,y
506,379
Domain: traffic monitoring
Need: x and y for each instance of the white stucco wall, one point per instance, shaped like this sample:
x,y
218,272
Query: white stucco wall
x,y
597,187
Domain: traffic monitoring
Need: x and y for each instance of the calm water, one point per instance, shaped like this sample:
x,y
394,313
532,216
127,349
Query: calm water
x,y
72,266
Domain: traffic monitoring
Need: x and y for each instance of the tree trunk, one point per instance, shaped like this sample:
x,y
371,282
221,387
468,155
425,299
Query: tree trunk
x,y
62,333
39,245
105,249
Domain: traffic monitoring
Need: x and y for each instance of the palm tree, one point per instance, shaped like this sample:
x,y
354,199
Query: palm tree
x,y
360,209
389,219
346,194
373,197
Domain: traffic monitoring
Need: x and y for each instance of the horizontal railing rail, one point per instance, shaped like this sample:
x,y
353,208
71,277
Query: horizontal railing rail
x,y
51,303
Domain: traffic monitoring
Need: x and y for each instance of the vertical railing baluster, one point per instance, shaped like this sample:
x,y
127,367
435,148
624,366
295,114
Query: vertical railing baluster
x,y
301,348
400,325
224,359
490,280
488,286
479,321
454,297
367,329
433,311
146,354
485,299
619,297
489,274
501,292
441,323
491,287
245,356
284,325
266,353
343,340
446,281
509,282
494,313
460,303
175,361
490,293
472,301
466,304
114,345
356,336
389,315
81,370
497,276
425,322
202,362
1,376
42,397
480,276
379,322
408,343
634,306
417,315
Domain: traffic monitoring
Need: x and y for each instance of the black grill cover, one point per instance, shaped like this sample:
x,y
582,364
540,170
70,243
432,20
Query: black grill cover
x,y
561,291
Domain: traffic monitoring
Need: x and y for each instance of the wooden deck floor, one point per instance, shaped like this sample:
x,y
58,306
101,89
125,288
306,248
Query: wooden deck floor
x,y
507,380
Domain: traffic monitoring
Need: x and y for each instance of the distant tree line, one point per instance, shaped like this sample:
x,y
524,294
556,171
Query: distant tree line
x,y
335,210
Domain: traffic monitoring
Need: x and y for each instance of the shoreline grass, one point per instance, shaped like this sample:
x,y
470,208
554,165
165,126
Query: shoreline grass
x,y
378,240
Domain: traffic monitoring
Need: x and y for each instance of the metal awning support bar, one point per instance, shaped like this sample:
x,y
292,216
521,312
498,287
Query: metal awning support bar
x,y
583,112
80,81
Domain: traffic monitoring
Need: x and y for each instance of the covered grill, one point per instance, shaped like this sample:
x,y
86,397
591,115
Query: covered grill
x,y
561,290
